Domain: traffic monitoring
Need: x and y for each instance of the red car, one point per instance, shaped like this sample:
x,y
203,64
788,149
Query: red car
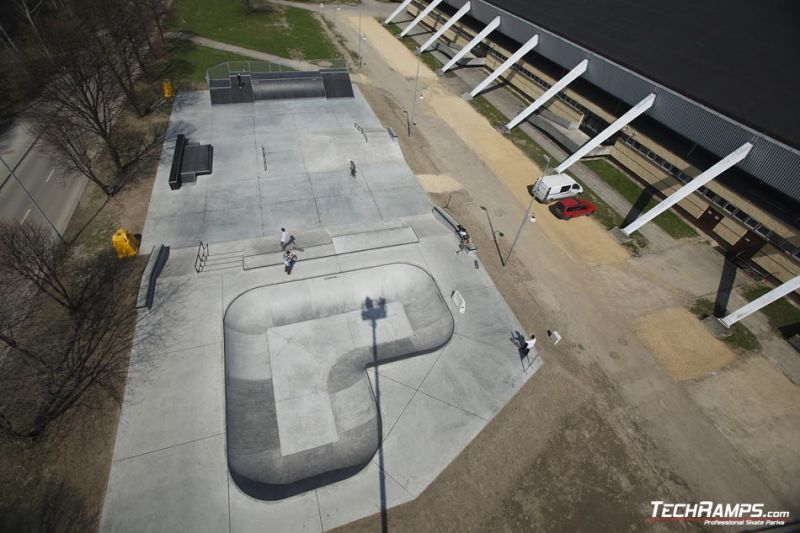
x,y
572,207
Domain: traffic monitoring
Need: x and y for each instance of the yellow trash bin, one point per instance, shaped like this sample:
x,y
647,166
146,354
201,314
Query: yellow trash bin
x,y
125,243
166,88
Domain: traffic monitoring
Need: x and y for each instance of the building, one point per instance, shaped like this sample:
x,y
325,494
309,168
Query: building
x,y
722,73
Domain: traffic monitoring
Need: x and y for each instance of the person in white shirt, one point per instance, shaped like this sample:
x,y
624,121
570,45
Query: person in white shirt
x,y
284,238
529,344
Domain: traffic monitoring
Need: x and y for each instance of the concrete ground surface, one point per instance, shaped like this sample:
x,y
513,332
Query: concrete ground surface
x,y
603,428
170,470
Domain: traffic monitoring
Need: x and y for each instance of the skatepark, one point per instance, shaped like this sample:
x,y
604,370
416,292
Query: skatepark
x,y
311,400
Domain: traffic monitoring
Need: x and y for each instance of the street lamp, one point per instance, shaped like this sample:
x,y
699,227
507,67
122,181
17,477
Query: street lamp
x,y
360,37
525,217
414,96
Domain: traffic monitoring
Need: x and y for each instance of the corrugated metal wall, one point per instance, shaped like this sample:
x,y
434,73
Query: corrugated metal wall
x,y
772,162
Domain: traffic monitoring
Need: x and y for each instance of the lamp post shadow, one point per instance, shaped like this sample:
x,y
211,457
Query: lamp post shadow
x,y
373,311
494,236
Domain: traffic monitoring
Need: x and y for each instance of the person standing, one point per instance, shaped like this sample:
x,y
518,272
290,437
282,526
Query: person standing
x,y
284,238
288,262
529,344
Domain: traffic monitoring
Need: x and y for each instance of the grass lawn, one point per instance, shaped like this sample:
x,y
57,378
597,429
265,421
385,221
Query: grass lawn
x,y
411,44
631,191
782,315
186,63
283,31
604,214
741,338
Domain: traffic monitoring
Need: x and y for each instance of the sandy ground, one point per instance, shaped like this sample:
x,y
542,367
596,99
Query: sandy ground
x,y
607,424
393,52
753,400
682,345
438,183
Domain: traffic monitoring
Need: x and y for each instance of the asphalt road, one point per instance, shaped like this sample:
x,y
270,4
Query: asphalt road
x,y
57,192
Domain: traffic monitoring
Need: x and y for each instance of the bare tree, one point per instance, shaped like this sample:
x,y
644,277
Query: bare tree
x,y
8,42
84,91
29,253
70,360
158,10
28,9
74,148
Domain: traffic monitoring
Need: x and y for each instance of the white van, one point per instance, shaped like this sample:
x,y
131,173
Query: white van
x,y
555,187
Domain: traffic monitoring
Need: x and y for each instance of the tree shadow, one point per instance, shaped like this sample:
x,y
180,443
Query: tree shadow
x,y
60,510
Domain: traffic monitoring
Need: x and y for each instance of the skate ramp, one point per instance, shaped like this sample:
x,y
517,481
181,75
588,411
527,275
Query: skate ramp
x,y
301,412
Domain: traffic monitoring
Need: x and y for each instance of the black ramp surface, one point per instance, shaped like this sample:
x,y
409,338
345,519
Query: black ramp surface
x,y
197,158
337,84
283,89
736,56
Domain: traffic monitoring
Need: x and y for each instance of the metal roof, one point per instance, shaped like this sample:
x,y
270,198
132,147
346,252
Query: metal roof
x,y
738,57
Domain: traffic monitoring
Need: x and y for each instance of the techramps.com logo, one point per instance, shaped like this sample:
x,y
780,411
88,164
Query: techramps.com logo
x,y
718,514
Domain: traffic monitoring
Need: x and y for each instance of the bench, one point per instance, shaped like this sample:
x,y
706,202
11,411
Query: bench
x,y
392,133
175,180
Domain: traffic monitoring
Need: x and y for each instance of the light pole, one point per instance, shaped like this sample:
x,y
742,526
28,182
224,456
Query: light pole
x,y
525,217
360,37
335,9
414,96
33,201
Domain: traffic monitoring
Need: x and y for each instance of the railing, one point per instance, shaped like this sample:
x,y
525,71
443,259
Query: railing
x,y
201,257
223,71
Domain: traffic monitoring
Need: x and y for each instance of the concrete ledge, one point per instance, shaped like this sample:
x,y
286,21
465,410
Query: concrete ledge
x,y
147,286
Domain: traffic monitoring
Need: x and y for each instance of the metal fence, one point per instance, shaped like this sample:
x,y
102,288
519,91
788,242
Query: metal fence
x,y
225,70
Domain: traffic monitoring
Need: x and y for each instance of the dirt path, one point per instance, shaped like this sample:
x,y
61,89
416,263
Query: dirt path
x,y
607,425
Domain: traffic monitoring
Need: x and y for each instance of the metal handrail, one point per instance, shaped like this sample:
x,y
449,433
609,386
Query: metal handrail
x,y
201,257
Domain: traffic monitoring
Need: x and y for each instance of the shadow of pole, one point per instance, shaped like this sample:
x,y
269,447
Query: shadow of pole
x,y
374,311
638,207
494,235
726,282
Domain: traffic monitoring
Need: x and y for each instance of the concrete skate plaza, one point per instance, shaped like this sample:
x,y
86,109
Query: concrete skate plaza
x,y
303,402
299,404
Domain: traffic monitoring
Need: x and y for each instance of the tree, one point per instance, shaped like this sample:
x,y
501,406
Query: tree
x,y
60,361
74,148
28,9
29,253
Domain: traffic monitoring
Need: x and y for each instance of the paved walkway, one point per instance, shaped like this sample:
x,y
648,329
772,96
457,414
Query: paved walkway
x,y
247,52
510,105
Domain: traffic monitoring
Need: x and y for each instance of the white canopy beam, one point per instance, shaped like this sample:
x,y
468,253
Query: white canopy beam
x,y
557,87
470,45
524,49
447,25
397,11
720,167
617,125
422,15
762,301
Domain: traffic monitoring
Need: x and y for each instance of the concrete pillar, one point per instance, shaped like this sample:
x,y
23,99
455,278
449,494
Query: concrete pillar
x,y
762,301
470,45
618,124
422,15
397,11
527,47
447,25
571,76
720,167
